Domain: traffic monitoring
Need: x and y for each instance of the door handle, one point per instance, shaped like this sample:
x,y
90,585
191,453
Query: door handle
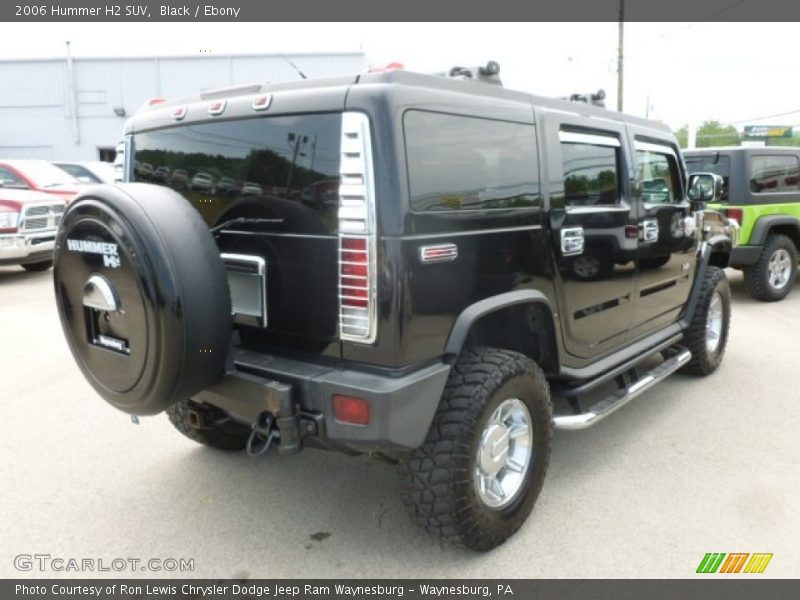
x,y
573,241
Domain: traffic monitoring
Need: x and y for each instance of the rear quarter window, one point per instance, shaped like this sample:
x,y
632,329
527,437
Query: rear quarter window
x,y
467,163
288,166
774,173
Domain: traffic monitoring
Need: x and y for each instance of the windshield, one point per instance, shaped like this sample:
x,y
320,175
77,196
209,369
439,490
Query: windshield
x,y
45,175
712,163
276,163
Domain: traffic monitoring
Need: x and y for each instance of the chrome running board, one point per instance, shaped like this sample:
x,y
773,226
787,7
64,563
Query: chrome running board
x,y
620,398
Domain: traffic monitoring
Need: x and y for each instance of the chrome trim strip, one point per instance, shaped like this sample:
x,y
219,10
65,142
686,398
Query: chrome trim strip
x,y
617,400
589,138
449,234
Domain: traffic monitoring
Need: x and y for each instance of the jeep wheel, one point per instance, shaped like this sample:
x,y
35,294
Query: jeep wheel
x,y
477,475
38,266
142,295
212,429
589,267
707,335
773,275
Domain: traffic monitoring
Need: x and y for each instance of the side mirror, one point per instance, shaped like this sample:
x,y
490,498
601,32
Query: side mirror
x,y
704,188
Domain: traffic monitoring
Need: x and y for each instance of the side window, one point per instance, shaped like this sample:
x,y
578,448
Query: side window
x,y
591,166
470,163
774,174
11,180
658,174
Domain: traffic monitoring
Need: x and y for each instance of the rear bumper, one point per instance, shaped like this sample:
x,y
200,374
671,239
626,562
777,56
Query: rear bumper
x,y
402,406
22,248
743,256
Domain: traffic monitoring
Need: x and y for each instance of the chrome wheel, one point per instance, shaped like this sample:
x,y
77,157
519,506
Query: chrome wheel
x,y
504,454
586,267
779,268
714,323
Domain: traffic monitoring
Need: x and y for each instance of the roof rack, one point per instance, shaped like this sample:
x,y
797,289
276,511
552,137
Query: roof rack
x,y
597,98
490,73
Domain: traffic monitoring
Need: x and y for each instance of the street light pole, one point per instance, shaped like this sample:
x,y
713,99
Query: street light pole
x,y
620,54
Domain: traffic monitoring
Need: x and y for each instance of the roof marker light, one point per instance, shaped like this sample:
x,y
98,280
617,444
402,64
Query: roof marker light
x,y
217,107
262,102
179,112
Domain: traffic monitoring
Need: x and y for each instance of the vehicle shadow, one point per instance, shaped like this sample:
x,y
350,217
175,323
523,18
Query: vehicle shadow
x,y
10,275
329,514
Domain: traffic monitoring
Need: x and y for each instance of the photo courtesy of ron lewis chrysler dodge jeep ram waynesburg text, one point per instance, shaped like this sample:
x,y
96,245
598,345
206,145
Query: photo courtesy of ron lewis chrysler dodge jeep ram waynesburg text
x,y
490,266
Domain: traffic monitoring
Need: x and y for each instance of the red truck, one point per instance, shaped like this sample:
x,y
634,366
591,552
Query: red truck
x,y
38,175
28,224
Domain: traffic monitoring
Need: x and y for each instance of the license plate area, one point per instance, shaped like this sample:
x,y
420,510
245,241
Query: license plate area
x,y
247,280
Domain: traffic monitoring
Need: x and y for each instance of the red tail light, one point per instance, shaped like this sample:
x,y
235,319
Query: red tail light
x,y
348,409
354,274
735,213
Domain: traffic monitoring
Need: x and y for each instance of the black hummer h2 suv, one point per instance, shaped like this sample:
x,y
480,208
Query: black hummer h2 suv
x,y
432,269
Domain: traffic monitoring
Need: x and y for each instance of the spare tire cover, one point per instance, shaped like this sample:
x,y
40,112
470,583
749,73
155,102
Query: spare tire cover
x,y
142,295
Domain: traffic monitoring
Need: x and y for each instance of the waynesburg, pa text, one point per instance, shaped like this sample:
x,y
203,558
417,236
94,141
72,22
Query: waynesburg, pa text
x,y
253,590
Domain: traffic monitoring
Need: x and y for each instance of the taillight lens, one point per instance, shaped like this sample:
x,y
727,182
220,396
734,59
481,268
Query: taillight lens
x,y
735,213
357,276
348,409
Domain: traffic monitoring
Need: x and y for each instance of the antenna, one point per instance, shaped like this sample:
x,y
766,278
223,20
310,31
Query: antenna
x,y
294,66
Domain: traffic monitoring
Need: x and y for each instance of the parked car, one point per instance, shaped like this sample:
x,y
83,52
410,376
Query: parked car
x,y
431,320
202,182
144,170
38,175
161,174
227,186
762,192
88,171
251,188
28,224
179,178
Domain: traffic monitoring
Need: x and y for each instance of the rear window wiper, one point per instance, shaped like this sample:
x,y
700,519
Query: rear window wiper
x,y
245,221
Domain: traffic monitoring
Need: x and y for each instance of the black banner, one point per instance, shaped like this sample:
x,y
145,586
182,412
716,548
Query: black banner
x,y
385,589
407,10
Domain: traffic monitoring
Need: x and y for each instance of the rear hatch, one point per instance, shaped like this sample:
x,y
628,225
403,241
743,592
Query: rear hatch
x,y
268,187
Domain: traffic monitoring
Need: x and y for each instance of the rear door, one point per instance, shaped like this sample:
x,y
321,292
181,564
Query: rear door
x,y
667,247
594,232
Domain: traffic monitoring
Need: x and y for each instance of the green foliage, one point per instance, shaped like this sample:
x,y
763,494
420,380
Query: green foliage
x,y
710,133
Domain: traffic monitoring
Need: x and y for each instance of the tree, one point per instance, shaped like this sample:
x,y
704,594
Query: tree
x,y
710,133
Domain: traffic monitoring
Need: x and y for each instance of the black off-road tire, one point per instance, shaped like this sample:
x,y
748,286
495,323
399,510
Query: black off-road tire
x,y
756,278
705,362
225,435
439,489
38,266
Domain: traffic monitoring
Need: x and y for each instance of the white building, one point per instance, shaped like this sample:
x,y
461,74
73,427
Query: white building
x,y
37,119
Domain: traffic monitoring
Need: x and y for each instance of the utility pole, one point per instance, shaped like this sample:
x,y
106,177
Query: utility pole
x,y
620,54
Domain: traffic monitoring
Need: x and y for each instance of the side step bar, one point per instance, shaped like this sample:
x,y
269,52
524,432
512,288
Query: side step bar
x,y
620,398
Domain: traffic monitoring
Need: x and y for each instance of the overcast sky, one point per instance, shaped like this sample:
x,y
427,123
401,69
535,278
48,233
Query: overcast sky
x,y
732,72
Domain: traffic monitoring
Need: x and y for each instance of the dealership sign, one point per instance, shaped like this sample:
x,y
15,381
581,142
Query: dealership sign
x,y
767,131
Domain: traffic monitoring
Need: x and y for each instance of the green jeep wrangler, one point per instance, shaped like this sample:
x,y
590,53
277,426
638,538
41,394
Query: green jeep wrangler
x,y
762,192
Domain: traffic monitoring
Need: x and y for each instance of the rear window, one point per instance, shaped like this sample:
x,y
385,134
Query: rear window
x,y
288,164
770,174
721,165
467,163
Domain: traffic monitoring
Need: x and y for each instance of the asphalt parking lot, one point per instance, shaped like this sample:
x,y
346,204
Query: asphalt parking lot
x,y
693,466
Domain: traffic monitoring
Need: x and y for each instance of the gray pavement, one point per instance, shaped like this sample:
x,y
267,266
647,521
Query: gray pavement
x,y
693,466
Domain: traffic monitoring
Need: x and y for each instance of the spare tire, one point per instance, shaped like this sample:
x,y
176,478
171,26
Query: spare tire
x,y
142,295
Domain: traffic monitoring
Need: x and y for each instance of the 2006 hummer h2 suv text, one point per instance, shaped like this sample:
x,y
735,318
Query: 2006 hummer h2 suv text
x,y
433,269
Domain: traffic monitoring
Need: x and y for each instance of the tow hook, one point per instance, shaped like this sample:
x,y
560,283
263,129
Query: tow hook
x,y
262,435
